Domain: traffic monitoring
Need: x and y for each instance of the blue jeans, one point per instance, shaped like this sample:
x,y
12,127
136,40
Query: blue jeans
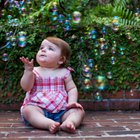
x,y
54,116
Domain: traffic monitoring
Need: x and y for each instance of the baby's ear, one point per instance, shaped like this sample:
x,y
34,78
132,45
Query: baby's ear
x,y
62,60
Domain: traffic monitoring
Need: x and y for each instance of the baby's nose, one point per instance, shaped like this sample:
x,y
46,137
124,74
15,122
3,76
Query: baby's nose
x,y
44,50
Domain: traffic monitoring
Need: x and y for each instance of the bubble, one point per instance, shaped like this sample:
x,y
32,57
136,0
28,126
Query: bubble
x,y
69,17
76,17
132,92
22,39
90,63
95,51
54,15
137,12
113,49
8,45
101,82
109,75
87,88
67,25
96,67
5,57
115,23
13,40
86,71
122,49
15,22
9,17
104,30
31,19
98,97
28,1
54,12
61,18
113,60
87,83
93,34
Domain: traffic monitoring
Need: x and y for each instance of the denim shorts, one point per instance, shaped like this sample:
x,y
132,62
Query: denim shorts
x,y
54,116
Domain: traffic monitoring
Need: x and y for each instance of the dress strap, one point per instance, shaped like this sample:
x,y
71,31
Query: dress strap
x,y
36,73
69,70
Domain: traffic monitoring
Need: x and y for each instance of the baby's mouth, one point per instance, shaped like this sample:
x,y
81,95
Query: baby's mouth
x,y
42,55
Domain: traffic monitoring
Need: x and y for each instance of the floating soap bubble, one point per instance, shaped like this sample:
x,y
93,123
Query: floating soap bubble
x,y
114,47
22,39
104,31
96,67
87,84
55,15
137,12
90,63
67,25
128,35
13,40
69,17
30,10
28,1
43,3
98,97
93,34
115,23
3,12
31,19
15,22
5,57
86,71
101,82
8,45
54,11
76,17
96,44
8,36
109,75
95,51
122,49
113,60
61,18
9,17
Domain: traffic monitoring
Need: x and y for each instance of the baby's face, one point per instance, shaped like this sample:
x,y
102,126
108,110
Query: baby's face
x,y
49,54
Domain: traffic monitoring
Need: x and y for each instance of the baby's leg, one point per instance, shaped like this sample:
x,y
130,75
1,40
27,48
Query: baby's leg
x,y
72,119
36,118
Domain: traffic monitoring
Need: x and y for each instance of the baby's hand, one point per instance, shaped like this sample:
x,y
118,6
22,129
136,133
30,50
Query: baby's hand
x,y
28,65
74,105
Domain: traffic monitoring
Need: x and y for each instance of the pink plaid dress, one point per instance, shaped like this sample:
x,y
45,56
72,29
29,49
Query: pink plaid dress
x,y
49,94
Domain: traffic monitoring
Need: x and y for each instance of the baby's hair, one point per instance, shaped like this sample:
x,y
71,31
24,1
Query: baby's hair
x,y
64,46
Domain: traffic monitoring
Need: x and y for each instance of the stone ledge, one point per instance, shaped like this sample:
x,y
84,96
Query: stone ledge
x,y
111,104
104,105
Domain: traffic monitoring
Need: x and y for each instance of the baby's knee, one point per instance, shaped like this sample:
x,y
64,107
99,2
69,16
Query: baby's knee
x,y
26,111
80,112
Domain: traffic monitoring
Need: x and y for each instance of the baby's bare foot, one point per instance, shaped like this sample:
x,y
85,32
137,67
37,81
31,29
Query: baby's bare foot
x,y
68,127
54,127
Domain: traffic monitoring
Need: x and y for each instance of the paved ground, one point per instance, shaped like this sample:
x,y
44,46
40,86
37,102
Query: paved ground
x,y
116,125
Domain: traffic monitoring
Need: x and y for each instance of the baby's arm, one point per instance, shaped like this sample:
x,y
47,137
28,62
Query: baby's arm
x,y
27,79
72,93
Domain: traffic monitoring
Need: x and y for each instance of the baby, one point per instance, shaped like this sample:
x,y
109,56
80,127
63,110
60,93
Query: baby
x,y
51,94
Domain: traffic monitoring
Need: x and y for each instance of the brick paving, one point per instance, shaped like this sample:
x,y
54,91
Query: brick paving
x,y
97,125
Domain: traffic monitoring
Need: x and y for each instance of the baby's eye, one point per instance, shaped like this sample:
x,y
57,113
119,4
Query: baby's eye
x,y
41,48
51,49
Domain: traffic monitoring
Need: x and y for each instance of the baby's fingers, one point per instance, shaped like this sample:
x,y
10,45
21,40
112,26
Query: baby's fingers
x,y
23,59
26,60
31,63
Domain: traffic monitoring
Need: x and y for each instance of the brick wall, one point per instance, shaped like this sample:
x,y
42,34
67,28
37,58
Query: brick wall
x,y
118,101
